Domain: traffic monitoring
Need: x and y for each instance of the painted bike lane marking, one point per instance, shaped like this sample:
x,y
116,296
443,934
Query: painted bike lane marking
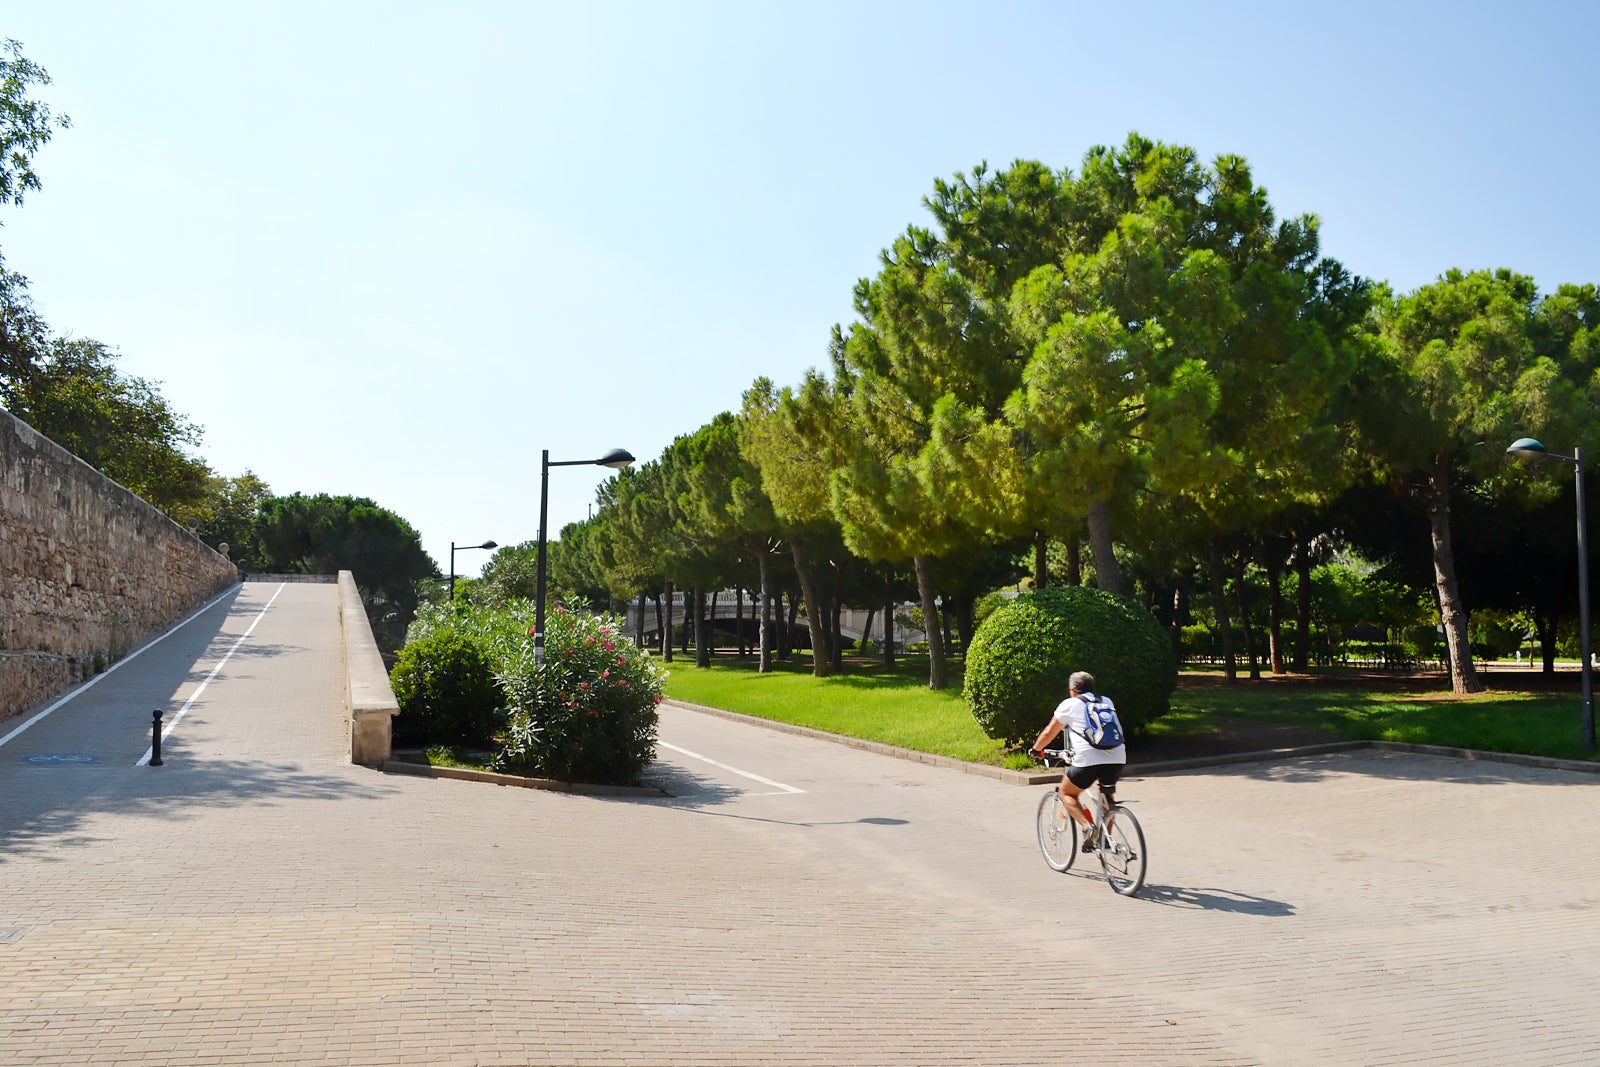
x,y
733,770
96,680
187,704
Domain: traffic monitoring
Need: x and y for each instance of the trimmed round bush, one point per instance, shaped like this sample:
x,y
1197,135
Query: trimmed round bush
x,y
1023,654
588,713
445,685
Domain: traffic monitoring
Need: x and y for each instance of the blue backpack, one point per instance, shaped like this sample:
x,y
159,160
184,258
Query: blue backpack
x,y
1105,729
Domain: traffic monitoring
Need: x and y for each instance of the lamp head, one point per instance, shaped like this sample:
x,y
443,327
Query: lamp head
x,y
1527,445
616,459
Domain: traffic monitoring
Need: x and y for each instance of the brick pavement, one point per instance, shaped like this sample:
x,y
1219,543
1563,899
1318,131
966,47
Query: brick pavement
x,y
259,900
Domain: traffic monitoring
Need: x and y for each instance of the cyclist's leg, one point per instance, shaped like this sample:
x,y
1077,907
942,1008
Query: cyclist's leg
x,y
1070,789
1106,780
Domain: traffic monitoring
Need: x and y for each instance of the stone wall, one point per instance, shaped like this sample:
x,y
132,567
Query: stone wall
x,y
88,571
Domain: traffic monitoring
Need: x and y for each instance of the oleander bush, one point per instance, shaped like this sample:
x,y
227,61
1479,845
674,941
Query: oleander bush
x,y
588,713
1023,654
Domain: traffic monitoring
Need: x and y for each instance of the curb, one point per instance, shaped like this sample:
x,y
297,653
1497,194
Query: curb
x,y
464,774
1162,767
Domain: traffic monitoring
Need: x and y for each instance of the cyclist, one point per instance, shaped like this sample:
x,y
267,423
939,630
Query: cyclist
x,y
1086,763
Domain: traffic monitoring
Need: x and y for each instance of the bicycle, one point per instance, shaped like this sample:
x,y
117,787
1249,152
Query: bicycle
x,y
1116,837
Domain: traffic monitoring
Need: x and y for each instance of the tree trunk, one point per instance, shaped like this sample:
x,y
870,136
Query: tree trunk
x,y
816,611
690,605
836,636
1275,610
702,647
638,631
1302,605
964,627
1041,566
764,626
866,630
1219,603
888,621
1107,575
711,624
1546,630
789,627
738,619
1246,627
1452,613
666,627
930,619
1074,562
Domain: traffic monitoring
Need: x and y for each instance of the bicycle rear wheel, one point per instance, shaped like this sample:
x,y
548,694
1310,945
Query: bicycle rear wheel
x,y
1058,834
1122,853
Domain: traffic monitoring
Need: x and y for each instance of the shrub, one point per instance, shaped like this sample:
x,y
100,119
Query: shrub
x,y
588,713
446,688
1023,654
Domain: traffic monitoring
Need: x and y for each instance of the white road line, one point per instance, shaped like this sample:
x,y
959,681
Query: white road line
x,y
187,704
118,665
735,770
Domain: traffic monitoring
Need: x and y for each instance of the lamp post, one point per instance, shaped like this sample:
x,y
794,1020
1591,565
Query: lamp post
x,y
486,544
1527,446
616,459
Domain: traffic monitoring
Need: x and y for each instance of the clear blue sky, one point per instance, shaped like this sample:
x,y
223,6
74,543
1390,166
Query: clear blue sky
x,y
395,249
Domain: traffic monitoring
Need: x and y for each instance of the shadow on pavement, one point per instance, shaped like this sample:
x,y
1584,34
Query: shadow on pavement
x,y
46,809
1215,900
1395,765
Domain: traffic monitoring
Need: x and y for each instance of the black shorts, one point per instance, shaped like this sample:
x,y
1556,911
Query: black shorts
x,y
1106,774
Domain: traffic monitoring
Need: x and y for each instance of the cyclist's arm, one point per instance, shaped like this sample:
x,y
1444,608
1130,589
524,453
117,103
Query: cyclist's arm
x,y
1048,734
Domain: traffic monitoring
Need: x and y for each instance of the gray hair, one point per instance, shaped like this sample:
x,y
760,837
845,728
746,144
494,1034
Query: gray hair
x,y
1081,682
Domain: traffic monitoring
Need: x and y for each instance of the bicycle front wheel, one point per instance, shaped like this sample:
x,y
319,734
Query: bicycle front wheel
x,y
1122,853
1058,834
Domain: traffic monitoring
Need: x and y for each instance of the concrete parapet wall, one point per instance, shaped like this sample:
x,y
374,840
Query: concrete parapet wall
x,y
368,693
88,571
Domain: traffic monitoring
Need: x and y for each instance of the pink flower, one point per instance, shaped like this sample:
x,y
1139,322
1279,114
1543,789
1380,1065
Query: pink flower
x,y
605,674
589,640
611,646
584,686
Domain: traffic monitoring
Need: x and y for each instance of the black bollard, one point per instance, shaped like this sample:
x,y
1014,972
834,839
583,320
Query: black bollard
x,y
155,738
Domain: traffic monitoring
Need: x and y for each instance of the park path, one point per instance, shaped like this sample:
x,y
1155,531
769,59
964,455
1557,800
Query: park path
x,y
782,899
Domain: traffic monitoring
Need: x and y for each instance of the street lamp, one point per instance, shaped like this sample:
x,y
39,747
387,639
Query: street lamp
x,y
616,459
486,544
1528,446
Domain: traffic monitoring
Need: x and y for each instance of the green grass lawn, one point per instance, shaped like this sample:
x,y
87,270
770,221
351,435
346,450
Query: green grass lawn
x,y
1527,723
895,706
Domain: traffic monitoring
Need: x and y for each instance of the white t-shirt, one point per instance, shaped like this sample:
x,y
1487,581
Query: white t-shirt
x,y
1074,720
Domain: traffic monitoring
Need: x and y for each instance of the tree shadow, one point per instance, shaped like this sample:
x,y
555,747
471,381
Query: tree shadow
x,y
43,810
1395,764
